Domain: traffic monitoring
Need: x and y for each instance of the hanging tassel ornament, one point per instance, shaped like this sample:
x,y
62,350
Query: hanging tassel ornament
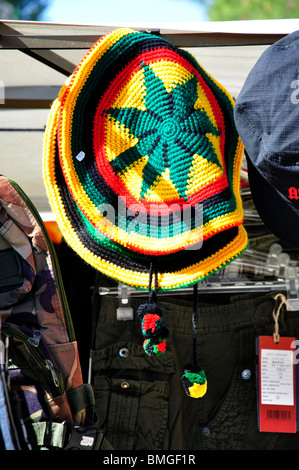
x,y
194,381
194,378
153,330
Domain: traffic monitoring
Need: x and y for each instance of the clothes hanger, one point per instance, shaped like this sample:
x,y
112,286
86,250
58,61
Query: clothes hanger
x,y
254,271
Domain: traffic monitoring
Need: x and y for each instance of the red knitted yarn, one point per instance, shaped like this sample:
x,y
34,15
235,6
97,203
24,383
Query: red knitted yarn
x,y
150,322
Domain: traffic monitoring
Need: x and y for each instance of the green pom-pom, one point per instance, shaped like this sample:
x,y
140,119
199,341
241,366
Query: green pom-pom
x,y
194,382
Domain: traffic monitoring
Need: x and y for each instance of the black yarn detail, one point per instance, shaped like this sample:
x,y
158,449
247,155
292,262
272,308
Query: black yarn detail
x,y
161,332
194,325
165,155
144,309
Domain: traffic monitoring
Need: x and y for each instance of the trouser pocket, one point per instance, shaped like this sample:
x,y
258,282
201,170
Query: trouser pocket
x,y
133,413
131,395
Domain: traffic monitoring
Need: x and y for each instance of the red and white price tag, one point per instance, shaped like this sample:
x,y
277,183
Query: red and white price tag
x,y
277,384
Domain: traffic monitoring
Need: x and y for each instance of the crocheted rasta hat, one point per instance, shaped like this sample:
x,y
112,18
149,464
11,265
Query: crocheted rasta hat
x,y
142,161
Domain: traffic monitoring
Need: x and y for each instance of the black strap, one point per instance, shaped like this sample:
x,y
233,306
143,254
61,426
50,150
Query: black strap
x,y
194,324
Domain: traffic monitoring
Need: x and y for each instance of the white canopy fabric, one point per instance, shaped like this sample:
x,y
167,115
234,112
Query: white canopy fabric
x,y
36,58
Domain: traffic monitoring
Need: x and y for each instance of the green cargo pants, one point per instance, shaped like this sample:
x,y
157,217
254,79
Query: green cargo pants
x,y
140,400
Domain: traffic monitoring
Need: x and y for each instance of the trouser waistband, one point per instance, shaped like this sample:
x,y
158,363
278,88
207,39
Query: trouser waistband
x,y
219,312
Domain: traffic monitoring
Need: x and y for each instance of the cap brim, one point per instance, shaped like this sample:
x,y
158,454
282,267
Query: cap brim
x,y
275,210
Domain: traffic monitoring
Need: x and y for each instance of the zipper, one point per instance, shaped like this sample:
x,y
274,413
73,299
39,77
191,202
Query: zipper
x,y
49,365
56,268
31,345
35,340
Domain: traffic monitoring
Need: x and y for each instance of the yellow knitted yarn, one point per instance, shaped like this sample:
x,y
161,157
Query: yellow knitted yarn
x,y
110,244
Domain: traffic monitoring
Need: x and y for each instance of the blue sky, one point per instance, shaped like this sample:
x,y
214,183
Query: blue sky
x,y
123,11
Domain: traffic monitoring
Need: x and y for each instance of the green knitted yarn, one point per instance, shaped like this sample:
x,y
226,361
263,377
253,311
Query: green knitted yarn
x,y
196,377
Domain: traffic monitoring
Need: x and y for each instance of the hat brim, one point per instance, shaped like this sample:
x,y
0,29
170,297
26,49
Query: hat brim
x,y
276,212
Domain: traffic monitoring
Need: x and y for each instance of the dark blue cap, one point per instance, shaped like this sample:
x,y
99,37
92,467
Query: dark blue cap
x,y
267,119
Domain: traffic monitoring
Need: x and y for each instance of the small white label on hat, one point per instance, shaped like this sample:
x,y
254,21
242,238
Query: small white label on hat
x,y
80,156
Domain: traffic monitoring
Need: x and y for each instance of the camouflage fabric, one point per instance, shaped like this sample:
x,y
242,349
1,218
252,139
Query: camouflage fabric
x,y
34,312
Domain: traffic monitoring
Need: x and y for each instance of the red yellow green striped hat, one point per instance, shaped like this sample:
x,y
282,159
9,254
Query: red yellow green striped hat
x,y
142,162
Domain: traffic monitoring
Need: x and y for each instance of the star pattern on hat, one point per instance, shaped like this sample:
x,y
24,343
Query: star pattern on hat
x,y
170,131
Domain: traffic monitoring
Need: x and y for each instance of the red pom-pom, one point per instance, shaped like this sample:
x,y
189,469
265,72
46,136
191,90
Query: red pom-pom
x,y
161,347
154,347
150,323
